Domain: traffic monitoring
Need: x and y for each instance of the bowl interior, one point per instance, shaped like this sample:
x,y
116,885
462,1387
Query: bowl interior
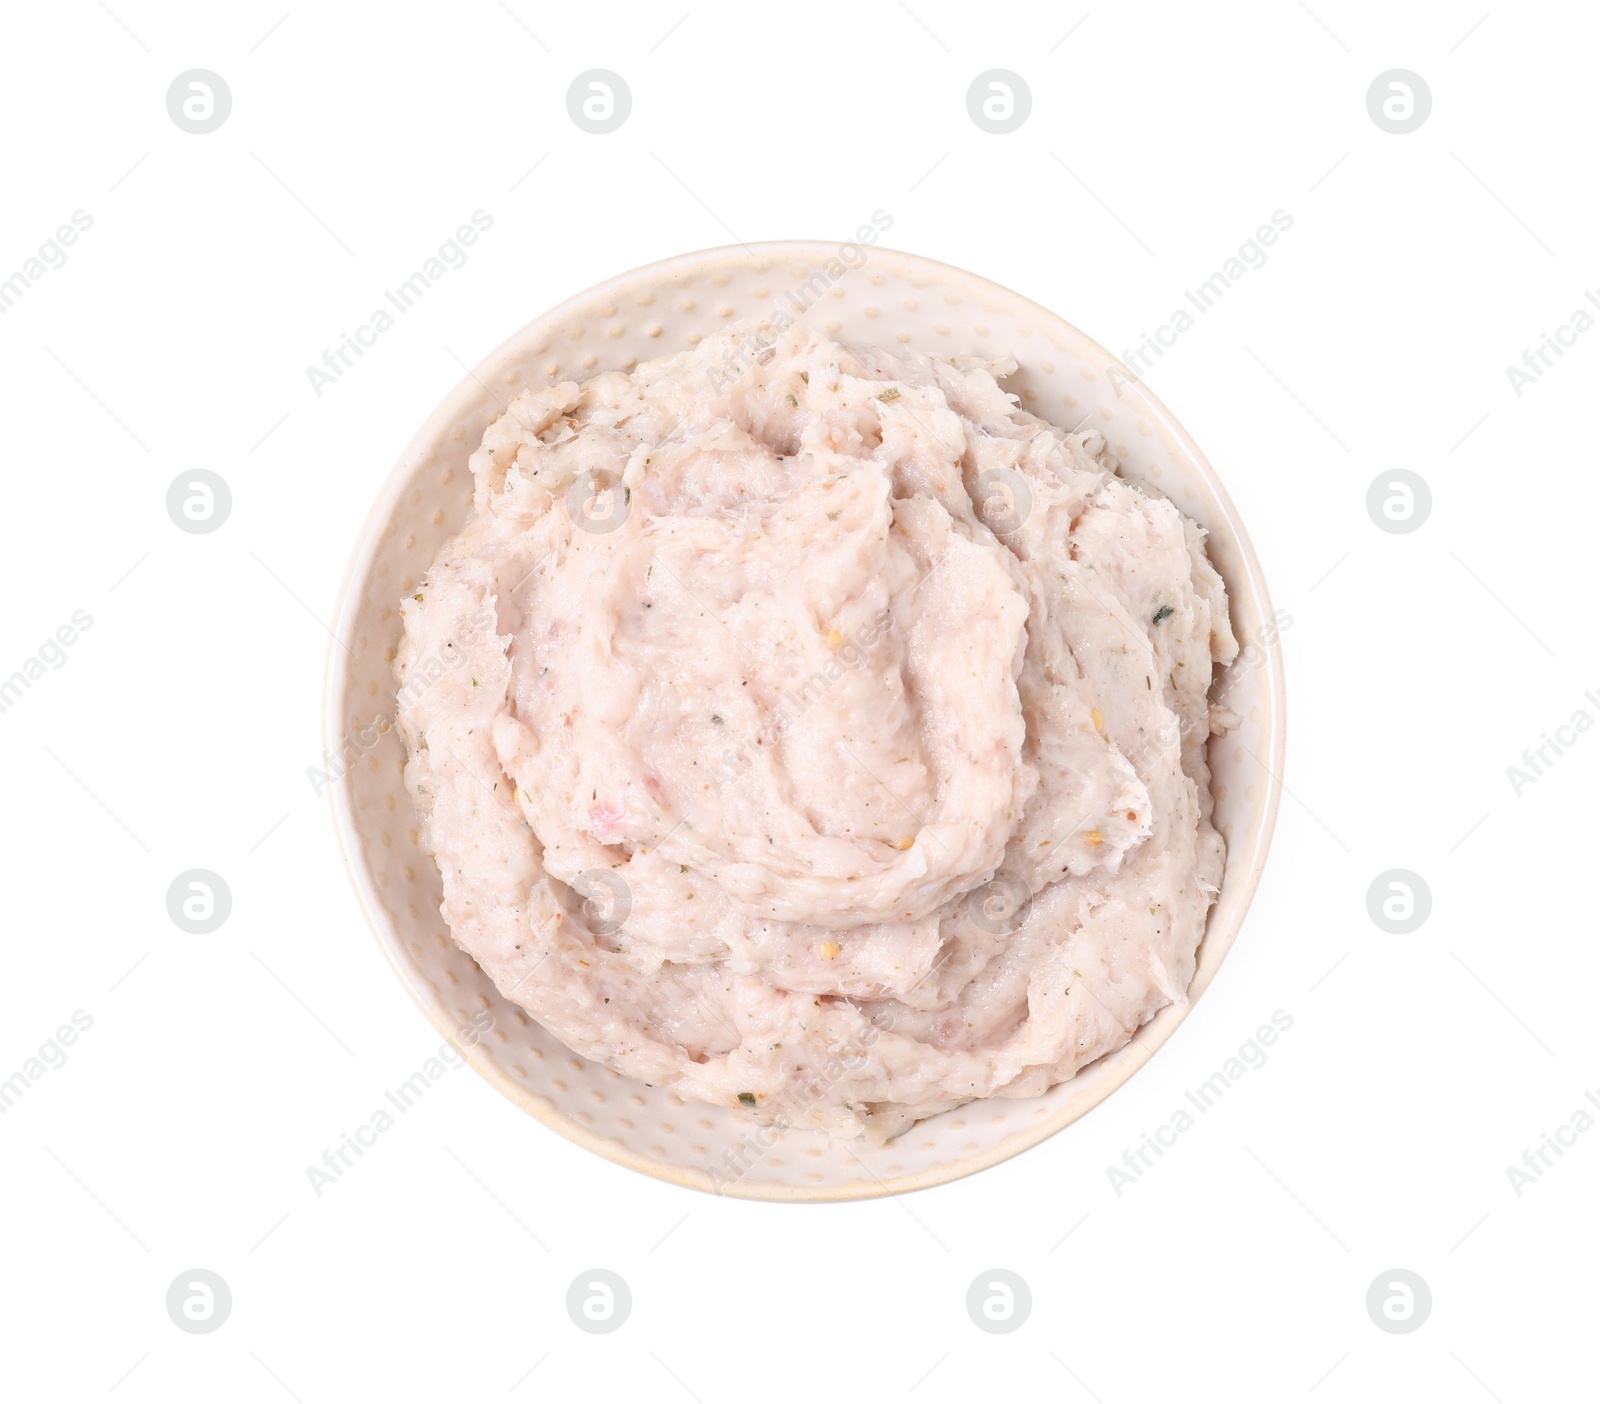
x,y
864,294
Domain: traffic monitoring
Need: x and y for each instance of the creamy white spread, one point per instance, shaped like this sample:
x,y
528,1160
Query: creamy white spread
x,y
826,740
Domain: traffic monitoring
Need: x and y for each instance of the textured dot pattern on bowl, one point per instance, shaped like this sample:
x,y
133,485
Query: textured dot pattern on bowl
x,y
876,295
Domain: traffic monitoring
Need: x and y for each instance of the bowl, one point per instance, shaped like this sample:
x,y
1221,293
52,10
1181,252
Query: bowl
x,y
857,291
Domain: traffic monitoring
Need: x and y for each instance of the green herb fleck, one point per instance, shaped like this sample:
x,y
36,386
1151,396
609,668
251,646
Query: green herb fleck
x,y
716,720
1161,614
748,1098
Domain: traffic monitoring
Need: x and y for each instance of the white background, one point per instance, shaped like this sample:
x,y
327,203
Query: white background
x,y
179,732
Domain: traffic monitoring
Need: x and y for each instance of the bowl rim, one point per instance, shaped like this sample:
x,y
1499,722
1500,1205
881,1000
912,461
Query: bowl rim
x,y
339,655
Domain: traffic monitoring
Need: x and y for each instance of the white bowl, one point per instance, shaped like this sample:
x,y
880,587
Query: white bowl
x,y
890,298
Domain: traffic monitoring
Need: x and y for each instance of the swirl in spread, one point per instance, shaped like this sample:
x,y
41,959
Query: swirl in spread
x,y
828,740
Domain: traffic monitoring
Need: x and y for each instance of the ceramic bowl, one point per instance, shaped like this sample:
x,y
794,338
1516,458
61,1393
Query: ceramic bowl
x,y
864,293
